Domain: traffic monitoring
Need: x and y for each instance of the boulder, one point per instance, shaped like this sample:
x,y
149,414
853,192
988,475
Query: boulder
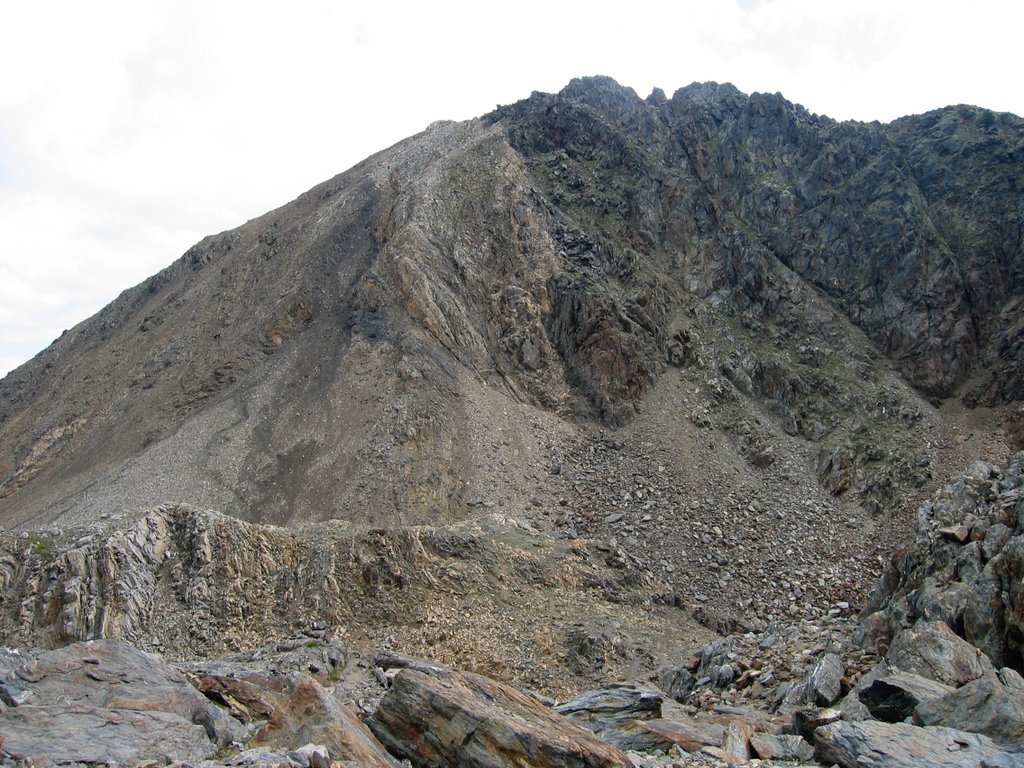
x,y
444,718
56,734
768,746
611,713
103,700
677,682
931,649
305,712
900,745
294,710
736,740
114,675
823,681
981,706
806,722
689,735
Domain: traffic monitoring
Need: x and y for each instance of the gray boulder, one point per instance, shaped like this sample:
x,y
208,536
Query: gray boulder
x,y
899,745
981,706
823,680
932,650
612,713
768,746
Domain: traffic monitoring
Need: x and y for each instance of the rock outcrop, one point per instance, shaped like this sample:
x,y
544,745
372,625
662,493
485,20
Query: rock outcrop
x,y
963,568
197,583
101,701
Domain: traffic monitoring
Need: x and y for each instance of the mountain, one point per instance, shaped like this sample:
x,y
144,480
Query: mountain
x,y
557,394
652,320
352,353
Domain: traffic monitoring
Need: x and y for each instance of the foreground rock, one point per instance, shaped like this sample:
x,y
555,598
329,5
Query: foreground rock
x,y
103,701
616,714
72,735
99,701
931,649
898,745
894,698
983,706
437,717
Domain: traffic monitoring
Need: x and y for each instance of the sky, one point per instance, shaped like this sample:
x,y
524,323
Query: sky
x,y
130,130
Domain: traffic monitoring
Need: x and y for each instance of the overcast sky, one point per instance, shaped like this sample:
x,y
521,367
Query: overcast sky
x,y
130,130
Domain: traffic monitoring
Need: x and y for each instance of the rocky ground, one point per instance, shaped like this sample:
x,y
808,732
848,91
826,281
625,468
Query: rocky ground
x,y
741,544
894,687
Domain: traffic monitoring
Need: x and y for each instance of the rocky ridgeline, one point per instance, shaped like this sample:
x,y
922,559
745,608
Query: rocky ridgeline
x,y
832,691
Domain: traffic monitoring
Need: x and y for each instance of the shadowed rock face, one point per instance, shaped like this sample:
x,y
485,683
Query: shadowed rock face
x,y
963,567
340,356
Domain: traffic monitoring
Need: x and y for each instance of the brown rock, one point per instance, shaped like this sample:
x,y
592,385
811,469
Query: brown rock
x,y
958,533
305,712
446,718
247,701
736,740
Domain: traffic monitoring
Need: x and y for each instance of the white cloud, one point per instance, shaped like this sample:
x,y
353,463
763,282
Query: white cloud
x,y
134,128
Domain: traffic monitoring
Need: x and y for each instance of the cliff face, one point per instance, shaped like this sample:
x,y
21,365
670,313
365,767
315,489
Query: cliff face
x,y
913,229
422,330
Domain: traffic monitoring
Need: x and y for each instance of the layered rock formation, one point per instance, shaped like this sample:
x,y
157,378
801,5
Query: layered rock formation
x,y
920,694
963,567
495,594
